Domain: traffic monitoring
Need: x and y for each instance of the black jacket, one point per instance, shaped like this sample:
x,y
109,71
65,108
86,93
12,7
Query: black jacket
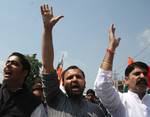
x,y
17,104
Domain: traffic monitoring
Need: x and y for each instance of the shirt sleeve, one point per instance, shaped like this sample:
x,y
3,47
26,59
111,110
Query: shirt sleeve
x,y
105,90
50,86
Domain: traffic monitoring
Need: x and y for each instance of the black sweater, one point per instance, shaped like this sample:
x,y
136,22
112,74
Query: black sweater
x,y
17,104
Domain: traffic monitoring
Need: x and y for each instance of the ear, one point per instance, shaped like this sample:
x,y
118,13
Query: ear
x,y
25,73
126,80
84,84
62,82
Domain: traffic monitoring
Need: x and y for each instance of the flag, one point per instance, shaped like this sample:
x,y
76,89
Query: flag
x,y
60,68
130,60
149,77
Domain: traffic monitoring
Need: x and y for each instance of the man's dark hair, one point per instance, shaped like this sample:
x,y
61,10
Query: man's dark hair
x,y
71,67
23,60
90,91
132,66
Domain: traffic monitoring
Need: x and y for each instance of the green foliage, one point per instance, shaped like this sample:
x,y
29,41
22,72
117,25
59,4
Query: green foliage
x,y
36,65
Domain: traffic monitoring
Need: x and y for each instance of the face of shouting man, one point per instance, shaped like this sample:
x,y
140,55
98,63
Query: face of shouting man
x,y
74,82
15,70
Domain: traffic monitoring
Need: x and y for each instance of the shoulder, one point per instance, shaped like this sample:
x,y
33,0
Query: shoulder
x,y
95,109
39,111
147,96
92,106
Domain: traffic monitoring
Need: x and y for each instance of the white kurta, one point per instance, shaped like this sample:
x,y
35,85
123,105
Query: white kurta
x,y
120,104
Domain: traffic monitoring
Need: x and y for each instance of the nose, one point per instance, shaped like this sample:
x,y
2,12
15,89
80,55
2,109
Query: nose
x,y
8,63
142,75
74,78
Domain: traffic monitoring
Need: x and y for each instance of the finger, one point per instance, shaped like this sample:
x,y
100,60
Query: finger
x,y
46,10
42,9
57,18
46,7
51,11
118,40
113,28
110,28
111,31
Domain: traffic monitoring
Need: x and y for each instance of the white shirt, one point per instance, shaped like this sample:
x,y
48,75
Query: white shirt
x,y
120,104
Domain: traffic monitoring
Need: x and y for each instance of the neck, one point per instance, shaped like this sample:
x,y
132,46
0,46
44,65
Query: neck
x,y
76,98
141,95
13,86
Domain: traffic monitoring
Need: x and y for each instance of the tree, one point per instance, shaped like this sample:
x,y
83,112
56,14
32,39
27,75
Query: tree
x,y
35,70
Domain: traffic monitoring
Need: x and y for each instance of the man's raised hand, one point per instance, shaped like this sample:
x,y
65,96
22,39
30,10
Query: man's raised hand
x,y
113,40
49,19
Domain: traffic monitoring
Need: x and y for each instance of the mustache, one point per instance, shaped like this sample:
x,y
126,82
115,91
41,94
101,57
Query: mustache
x,y
142,81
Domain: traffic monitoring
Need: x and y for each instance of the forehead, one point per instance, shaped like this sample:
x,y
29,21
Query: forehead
x,y
73,72
137,69
13,58
90,94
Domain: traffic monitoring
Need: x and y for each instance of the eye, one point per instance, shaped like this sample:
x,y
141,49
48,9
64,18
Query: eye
x,y
79,76
69,77
7,62
15,63
137,73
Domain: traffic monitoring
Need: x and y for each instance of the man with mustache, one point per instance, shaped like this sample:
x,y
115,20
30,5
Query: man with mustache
x,y
135,102
71,104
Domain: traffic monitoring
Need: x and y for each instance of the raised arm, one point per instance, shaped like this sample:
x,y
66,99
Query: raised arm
x,y
103,85
112,45
49,20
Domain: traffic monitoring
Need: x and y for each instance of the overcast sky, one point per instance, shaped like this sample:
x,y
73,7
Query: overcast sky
x,y
82,35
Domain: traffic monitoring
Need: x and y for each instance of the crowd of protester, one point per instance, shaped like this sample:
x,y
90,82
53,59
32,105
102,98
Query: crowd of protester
x,y
47,99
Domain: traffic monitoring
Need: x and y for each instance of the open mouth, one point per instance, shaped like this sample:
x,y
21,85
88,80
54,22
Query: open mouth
x,y
75,88
142,82
7,73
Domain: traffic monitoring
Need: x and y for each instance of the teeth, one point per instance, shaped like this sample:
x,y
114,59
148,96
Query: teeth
x,y
75,86
8,73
